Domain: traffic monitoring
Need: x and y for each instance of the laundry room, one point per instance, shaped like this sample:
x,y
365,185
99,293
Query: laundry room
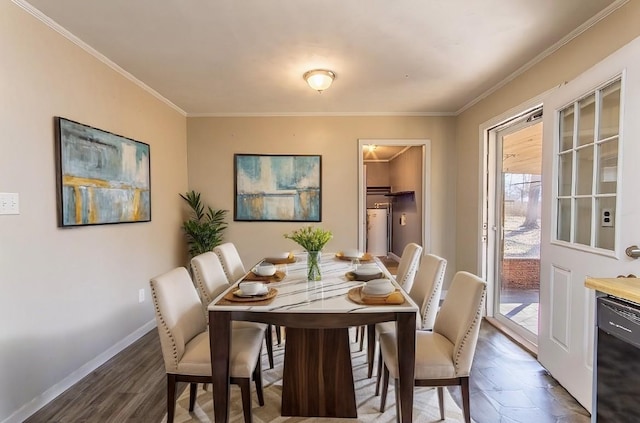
x,y
394,200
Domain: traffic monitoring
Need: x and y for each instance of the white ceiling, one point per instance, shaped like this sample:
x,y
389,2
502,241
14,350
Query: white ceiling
x,y
247,57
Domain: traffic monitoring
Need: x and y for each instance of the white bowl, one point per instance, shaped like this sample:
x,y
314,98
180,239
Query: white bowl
x,y
252,288
378,287
265,269
280,256
367,270
352,253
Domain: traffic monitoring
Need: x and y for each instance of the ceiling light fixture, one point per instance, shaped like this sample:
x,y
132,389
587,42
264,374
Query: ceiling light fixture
x,y
372,148
319,79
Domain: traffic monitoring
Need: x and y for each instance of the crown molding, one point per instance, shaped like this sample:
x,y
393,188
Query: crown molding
x,y
546,53
77,41
321,114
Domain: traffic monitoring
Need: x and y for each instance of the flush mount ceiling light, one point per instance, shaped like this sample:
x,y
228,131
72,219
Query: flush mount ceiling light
x,y
319,79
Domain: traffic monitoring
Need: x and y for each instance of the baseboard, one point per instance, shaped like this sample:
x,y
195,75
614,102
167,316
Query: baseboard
x,y
50,394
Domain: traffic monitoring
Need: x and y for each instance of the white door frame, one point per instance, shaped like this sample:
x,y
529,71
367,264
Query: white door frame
x,y
486,250
426,187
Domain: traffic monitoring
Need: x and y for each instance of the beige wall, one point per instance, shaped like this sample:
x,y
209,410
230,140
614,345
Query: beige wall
x,y
70,295
213,142
377,174
405,174
595,44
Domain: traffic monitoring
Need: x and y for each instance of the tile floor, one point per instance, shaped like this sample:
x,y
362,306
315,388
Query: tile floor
x,y
508,385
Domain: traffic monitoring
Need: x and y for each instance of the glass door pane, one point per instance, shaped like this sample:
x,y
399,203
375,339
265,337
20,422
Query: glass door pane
x,y
518,207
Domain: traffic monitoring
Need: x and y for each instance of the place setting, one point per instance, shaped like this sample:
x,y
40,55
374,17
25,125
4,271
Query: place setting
x,y
354,255
265,272
376,292
251,291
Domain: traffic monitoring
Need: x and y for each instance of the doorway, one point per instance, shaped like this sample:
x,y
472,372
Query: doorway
x,y
514,242
401,197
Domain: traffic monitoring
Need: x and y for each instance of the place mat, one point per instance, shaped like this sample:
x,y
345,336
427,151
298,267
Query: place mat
x,y
266,298
287,260
276,277
356,295
351,276
365,257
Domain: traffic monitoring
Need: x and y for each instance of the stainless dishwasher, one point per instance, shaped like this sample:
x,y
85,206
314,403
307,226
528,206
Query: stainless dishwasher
x,y
618,361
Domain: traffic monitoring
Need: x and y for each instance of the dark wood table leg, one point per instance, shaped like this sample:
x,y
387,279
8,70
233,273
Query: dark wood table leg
x,y
318,378
220,343
406,329
371,348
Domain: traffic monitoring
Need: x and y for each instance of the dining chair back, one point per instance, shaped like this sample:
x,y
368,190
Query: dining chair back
x,y
425,292
444,356
185,342
408,265
210,281
209,276
427,288
231,261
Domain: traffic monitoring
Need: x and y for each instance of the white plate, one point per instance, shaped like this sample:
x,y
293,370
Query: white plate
x,y
239,293
366,271
376,294
352,254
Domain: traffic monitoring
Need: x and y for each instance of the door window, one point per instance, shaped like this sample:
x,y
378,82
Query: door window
x,y
587,160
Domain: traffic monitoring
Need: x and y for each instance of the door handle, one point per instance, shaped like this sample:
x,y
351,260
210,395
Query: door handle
x,y
633,251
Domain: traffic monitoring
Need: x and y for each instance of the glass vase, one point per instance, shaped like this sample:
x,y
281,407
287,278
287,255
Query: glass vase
x,y
313,266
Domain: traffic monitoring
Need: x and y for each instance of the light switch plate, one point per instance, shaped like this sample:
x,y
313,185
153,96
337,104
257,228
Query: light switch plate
x,y
9,203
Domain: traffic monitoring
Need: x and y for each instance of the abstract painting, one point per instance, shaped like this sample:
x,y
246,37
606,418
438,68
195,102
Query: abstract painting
x,y
103,178
276,187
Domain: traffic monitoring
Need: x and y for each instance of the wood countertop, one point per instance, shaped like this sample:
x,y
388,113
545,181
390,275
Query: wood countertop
x,y
626,288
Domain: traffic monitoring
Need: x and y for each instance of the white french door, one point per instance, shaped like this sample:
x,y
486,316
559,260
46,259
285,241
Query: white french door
x,y
590,208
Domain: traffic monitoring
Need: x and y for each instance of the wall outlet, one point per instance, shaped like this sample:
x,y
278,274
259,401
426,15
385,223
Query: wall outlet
x,y
9,203
403,219
606,220
141,296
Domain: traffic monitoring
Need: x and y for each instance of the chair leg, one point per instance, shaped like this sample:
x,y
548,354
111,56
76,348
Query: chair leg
x,y
441,402
268,339
245,392
193,388
464,386
171,397
385,386
257,377
395,388
278,335
379,372
362,337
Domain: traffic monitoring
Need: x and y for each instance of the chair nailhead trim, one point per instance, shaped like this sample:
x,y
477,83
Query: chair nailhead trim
x,y
476,320
165,327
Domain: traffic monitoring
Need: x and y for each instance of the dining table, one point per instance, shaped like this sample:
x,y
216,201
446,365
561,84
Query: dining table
x,y
317,375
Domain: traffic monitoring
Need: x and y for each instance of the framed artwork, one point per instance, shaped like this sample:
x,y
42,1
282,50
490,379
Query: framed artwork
x,y
102,178
277,187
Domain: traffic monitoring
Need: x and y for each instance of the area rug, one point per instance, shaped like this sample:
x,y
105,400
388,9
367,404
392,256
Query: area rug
x,y
425,405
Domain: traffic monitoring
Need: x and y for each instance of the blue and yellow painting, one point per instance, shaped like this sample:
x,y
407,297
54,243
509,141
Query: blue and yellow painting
x,y
104,177
278,187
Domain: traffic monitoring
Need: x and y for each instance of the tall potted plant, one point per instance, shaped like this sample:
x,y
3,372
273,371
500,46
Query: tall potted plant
x,y
204,229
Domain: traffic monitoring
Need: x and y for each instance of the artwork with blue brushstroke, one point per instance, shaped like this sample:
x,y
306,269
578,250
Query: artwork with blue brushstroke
x,y
104,178
278,188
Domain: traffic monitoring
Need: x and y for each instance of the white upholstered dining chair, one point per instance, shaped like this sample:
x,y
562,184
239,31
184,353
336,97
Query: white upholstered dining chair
x,y
231,261
185,342
210,281
425,292
444,356
408,265
234,270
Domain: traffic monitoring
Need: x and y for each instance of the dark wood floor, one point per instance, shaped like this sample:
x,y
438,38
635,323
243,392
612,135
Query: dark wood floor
x,y
507,385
